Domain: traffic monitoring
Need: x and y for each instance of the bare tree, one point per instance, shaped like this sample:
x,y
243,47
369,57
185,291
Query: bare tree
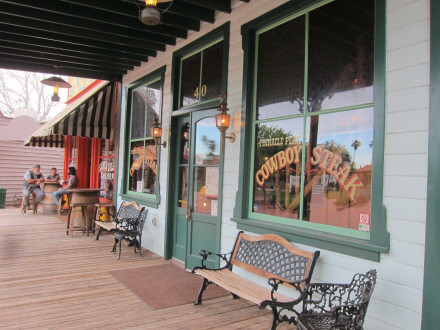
x,y
24,90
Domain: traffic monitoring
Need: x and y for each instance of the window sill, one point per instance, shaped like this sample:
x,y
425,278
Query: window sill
x,y
148,202
345,245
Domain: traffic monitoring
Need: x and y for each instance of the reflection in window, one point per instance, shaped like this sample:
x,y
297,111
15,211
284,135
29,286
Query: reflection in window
x,y
107,169
207,142
206,178
309,164
142,167
206,190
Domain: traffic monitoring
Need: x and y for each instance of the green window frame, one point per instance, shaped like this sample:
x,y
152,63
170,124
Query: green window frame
x,y
151,200
334,239
220,34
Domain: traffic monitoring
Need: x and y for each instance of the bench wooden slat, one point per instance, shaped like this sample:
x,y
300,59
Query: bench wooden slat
x,y
107,225
240,286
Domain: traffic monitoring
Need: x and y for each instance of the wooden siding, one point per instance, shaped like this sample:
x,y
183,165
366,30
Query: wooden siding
x,y
16,159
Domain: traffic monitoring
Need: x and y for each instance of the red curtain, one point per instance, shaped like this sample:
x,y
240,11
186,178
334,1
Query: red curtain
x,y
67,155
94,165
83,162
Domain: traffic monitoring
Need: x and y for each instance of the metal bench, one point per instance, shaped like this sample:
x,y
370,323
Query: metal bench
x,y
271,257
127,225
337,306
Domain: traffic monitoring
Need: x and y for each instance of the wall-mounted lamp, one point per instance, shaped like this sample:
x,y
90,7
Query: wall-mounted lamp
x,y
222,119
57,83
151,15
156,133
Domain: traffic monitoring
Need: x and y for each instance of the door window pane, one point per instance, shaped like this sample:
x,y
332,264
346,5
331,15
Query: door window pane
x,y
207,142
184,144
182,198
206,190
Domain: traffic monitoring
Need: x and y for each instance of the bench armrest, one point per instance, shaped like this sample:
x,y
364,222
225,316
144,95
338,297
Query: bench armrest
x,y
126,223
275,282
223,256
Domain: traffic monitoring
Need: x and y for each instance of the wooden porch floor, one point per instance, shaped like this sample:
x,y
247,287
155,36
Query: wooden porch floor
x,y
51,281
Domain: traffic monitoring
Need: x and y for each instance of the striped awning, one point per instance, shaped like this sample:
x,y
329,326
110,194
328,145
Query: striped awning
x,y
93,115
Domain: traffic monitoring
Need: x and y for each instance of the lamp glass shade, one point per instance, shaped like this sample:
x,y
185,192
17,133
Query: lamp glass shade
x,y
53,81
222,121
156,132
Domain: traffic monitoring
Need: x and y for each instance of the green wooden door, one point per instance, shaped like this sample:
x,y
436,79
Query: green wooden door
x,y
198,179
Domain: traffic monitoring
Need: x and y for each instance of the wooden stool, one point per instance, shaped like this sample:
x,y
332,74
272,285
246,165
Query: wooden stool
x,y
31,202
70,220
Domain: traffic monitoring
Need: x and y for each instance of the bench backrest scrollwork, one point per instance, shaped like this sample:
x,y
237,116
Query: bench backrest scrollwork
x,y
135,214
272,256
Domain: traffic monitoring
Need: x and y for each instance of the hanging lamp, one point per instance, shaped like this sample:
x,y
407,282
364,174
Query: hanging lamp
x,y
151,14
57,83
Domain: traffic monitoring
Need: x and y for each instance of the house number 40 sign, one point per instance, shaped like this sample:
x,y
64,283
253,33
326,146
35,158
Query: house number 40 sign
x,y
202,91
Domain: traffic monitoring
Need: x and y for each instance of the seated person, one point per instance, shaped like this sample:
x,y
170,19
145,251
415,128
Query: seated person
x,y
53,176
31,184
72,182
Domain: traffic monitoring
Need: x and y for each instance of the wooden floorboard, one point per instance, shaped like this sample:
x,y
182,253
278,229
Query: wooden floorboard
x,y
51,281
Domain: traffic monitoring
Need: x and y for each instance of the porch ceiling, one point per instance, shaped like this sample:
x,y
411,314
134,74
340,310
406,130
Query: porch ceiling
x,y
93,38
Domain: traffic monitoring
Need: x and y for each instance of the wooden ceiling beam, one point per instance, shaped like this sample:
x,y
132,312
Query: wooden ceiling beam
x,y
79,32
32,67
74,18
33,52
49,40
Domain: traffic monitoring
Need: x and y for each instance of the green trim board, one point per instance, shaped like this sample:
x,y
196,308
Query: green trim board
x,y
431,284
141,198
379,237
219,33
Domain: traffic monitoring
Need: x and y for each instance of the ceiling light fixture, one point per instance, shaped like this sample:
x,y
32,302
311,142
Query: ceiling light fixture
x,y
151,15
57,83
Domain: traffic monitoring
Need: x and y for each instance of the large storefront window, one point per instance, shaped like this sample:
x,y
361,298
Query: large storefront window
x,y
313,123
145,99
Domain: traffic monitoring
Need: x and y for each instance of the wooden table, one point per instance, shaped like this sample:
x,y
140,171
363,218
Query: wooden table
x,y
49,206
82,198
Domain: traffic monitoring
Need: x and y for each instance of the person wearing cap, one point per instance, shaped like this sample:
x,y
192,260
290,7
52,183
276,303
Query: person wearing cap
x,y
32,180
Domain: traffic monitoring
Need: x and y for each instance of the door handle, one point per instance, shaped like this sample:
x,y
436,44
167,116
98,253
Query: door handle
x,y
189,213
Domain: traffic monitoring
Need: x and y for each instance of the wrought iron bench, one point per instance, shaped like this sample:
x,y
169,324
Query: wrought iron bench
x,y
271,257
127,225
337,306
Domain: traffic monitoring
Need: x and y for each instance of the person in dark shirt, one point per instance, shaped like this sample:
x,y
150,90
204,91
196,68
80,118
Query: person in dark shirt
x,y
72,182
